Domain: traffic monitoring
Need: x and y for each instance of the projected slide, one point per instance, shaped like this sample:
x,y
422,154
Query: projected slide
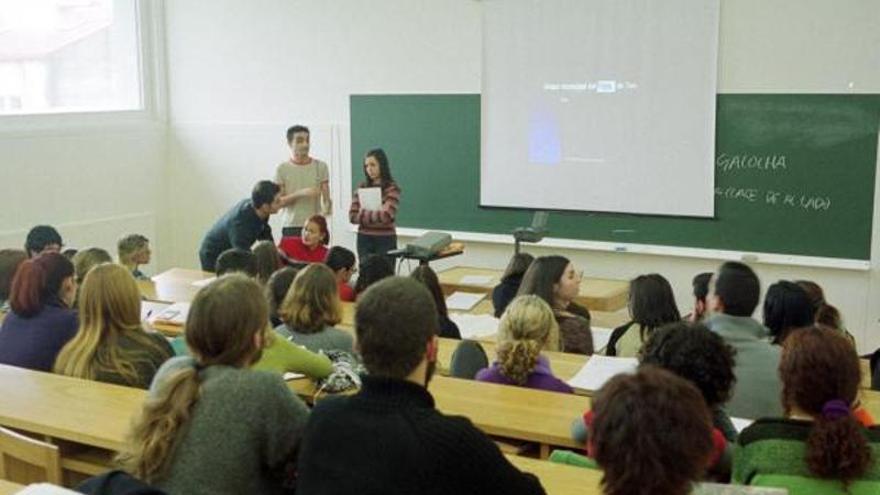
x,y
599,105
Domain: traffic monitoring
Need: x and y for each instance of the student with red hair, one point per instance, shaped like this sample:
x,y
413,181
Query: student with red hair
x,y
311,245
41,320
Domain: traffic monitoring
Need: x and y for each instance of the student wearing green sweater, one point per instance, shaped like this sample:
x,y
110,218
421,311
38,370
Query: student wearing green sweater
x,y
820,437
210,424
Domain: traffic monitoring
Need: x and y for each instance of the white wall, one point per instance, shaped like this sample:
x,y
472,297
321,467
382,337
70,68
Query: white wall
x,y
240,72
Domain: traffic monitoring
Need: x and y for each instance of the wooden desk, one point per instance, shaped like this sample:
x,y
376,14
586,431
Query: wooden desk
x,y
174,285
559,479
596,293
9,488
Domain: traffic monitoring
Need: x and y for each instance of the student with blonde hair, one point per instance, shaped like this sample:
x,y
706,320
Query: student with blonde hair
x,y
111,345
86,259
311,308
527,327
133,251
197,404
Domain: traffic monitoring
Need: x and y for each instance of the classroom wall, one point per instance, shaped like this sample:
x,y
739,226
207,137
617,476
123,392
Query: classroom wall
x,y
240,72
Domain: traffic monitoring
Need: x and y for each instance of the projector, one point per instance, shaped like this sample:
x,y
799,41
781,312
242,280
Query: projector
x,y
428,244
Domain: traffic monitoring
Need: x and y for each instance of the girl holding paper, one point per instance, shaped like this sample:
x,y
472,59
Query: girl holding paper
x,y
374,207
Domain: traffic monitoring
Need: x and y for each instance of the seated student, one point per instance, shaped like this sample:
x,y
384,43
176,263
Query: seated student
x,y
343,264
527,327
111,345
268,260
210,424
700,285
554,279
373,269
86,259
246,223
427,277
505,291
311,308
652,434
69,253
311,247
236,260
41,320
10,260
820,435
395,441
786,308
42,239
651,305
276,288
735,294
824,313
133,250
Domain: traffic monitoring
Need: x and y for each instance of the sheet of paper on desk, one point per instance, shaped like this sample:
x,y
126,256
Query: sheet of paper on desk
x,y
463,301
173,315
151,308
293,376
600,369
370,198
203,282
741,423
601,336
45,489
475,326
476,280
721,489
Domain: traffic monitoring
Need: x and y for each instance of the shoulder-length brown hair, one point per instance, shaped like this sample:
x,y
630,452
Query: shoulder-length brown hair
x,y
312,302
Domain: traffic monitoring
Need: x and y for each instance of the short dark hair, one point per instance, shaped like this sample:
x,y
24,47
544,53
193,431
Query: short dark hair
x,y
651,302
394,321
695,353
339,257
236,260
39,237
542,274
373,268
737,285
295,129
634,418
786,307
701,285
264,193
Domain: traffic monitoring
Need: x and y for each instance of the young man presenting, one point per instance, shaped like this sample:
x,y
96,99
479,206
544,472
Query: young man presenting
x,y
304,182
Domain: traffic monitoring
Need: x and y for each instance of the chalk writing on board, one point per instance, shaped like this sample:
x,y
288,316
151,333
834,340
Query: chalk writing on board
x,y
782,199
734,163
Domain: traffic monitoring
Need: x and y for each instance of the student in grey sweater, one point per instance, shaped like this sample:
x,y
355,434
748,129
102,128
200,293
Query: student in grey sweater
x,y
210,424
311,308
735,291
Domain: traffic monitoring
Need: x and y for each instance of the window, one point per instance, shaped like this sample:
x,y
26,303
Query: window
x,y
63,56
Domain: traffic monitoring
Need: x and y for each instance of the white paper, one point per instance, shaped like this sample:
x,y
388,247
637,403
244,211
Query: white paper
x,y
45,489
476,280
475,326
601,336
293,376
151,308
203,282
370,198
600,369
174,315
463,301
741,423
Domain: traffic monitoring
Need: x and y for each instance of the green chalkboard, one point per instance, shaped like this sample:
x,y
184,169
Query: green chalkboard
x,y
794,174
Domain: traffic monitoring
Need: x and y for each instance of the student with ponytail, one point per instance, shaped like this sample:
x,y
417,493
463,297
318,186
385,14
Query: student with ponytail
x,y
821,436
527,327
111,345
210,424
41,320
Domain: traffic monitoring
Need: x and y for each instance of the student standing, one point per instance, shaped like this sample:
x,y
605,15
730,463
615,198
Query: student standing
x,y
42,320
246,223
210,424
527,327
377,232
555,280
392,438
111,345
304,181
